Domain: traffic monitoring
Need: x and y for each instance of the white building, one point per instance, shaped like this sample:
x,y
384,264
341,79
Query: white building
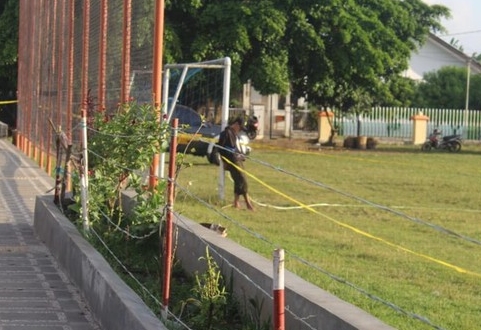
x,y
435,54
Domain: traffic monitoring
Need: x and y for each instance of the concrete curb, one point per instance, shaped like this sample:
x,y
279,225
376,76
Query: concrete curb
x,y
114,304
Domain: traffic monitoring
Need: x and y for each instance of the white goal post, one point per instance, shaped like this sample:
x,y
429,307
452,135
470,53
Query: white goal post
x,y
169,104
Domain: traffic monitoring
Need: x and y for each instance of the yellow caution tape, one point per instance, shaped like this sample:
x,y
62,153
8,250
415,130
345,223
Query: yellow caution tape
x,y
8,102
356,230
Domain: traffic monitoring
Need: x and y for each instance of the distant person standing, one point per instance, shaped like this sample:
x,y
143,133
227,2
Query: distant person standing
x,y
230,151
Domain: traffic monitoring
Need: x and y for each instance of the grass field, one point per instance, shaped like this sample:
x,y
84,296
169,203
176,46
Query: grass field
x,y
402,225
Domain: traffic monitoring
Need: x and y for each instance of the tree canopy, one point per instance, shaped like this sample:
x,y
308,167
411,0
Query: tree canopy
x,y
332,51
446,89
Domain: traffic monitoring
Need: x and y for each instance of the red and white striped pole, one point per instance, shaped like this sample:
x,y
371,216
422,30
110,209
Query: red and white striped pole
x,y
278,290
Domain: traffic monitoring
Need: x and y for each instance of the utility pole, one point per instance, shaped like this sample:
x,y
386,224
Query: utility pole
x,y
466,108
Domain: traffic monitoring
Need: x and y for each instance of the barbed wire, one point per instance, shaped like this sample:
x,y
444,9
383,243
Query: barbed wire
x,y
125,231
143,287
244,275
364,201
373,204
307,263
133,137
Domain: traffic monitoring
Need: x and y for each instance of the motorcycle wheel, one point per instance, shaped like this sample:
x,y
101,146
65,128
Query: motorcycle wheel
x,y
455,146
252,134
426,146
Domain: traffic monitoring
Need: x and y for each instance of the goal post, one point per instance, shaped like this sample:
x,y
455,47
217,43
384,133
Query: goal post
x,y
223,63
187,71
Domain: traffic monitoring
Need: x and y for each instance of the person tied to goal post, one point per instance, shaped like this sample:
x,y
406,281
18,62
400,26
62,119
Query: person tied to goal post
x,y
233,159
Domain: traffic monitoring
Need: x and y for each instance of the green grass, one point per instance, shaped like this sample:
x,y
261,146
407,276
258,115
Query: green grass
x,y
419,269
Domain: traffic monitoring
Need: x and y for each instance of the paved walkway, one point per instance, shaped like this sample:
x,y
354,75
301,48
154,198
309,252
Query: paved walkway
x,y
34,292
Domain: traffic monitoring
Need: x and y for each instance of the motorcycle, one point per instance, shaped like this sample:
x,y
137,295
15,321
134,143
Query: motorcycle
x,y
451,143
249,132
250,128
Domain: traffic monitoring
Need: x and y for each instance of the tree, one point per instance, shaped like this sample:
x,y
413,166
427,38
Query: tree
x,y
331,51
446,89
9,49
8,59
401,92
455,43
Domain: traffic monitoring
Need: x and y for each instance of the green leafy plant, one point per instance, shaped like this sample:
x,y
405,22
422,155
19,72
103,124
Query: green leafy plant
x,y
211,292
121,148
210,297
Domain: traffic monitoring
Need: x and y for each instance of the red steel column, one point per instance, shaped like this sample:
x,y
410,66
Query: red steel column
x,y
278,290
22,70
168,230
85,84
127,35
33,84
51,84
157,80
103,53
43,86
60,62
85,58
70,68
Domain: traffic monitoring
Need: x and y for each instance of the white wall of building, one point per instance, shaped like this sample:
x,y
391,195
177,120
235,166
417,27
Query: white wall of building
x,y
434,55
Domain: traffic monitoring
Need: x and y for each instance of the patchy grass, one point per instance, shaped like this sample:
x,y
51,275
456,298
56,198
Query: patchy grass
x,y
376,219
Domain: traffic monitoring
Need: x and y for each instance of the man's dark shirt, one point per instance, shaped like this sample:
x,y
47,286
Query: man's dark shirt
x,y
227,140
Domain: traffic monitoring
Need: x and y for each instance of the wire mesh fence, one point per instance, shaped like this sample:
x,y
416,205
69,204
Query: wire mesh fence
x,y
75,54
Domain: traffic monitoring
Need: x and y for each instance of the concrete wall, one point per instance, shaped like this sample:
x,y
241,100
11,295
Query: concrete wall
x,y
111,301
320,309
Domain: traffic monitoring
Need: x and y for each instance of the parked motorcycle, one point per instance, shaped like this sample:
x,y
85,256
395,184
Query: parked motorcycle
x,y
251,127
249,132
451,143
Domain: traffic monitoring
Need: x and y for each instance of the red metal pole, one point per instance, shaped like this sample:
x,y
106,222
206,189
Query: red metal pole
x,y
60,75
70,69
41,109
168,227
60,92
34,17
70,81
22,70
103,53
85,58
34,69
157,80
278,290
85,85
125,88
51,82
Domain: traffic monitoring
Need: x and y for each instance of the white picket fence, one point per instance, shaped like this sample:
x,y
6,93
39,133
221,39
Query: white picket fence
x,y
396,122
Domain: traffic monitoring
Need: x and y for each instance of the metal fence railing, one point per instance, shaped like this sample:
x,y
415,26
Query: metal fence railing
x,y
392,122
397,123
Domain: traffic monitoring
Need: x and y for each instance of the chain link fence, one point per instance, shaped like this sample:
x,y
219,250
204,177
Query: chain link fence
x,y
75,54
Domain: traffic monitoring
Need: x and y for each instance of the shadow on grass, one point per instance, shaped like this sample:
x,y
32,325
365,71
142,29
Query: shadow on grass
x,y
311,144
